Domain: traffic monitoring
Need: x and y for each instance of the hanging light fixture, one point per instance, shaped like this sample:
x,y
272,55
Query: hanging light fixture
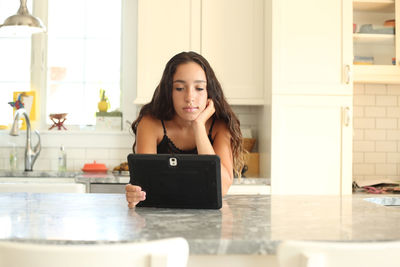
x,y
22,22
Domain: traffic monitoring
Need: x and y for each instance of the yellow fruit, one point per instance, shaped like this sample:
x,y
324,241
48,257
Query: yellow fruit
x,y
103,106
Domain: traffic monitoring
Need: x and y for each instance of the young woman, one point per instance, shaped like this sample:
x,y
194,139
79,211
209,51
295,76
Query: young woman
x,y
188,114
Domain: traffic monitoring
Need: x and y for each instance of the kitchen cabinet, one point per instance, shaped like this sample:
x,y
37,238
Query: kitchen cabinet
x,y
311,49
311,145
228,33
311,97
371,39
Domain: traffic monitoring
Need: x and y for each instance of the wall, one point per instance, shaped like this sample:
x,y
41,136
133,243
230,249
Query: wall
x,y
110,148
376,139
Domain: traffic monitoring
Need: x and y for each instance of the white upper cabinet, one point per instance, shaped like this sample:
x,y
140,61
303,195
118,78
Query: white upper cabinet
x,y
228,33
376,44
165,28
312,49
232,40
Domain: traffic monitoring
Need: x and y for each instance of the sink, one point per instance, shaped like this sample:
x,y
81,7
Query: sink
x,y
385,201
41,185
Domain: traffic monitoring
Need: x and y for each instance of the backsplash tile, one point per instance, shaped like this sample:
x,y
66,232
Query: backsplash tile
x,y
376,138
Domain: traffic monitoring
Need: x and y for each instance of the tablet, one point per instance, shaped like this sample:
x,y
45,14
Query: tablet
x,y
177,180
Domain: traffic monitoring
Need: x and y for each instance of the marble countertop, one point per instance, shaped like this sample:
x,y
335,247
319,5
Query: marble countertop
x,y
246,224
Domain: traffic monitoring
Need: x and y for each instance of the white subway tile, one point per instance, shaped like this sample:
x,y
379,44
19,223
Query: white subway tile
x,y
110,164
363,146
386,101
374,112
364,100
375,134
4,152
386,123
393,112
78,164
49,153
363,169
358,112
386,146
393,158
358,157
358,134
96,154
374,157
385,169
375,89
360,123
392,135
393,89
119,154
358,177
54,164
247,119
41,165
359,89
75,153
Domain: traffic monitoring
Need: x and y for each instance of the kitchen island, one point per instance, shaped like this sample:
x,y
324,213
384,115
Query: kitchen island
x,y
247,228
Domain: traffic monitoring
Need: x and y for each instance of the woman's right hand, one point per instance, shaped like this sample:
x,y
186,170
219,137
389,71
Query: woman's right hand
x,y
134,195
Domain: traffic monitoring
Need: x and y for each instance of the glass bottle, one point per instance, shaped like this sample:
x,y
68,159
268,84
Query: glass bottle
x,y
62,160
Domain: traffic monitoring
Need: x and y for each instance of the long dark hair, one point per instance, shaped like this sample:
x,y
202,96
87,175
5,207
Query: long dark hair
x,y
162,108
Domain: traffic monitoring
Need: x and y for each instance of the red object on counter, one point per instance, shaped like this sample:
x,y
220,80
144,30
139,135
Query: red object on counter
x,y
94,167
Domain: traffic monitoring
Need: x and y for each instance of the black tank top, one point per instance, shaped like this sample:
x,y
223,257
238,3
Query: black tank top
x,y
166,146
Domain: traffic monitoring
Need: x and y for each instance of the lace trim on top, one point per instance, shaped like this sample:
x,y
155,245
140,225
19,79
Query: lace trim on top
x,y
166,146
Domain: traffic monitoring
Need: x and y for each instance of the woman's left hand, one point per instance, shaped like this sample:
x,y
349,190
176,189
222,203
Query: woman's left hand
x,y
206,113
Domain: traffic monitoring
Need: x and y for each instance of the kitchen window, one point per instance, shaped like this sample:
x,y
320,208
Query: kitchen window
x,y
82,52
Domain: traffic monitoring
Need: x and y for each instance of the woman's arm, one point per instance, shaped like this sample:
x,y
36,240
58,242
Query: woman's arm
x,y
220,147
146,143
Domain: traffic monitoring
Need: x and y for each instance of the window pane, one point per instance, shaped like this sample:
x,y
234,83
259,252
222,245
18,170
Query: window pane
x,y
83,57
15,55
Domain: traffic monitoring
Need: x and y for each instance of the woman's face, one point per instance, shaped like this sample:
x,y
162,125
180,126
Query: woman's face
x,y
189,91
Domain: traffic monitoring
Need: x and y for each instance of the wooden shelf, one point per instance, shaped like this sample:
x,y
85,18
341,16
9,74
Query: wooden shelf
x,y
384,6
371,38
387,74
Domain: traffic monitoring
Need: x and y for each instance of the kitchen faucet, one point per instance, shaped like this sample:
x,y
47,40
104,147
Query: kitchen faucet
x,y
31,154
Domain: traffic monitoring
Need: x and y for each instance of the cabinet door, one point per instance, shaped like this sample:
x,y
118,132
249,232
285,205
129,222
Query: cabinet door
x,y
312,47
165,28
311,148
232,41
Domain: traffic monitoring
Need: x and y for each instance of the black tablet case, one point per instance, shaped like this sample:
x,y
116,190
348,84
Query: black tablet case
x,y
177,181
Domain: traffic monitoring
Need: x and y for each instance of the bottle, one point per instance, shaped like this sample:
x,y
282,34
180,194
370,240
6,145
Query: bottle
x,y
13,158
62,160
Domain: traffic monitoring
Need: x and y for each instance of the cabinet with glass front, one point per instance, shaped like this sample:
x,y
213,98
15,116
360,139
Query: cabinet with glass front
x,y
375,42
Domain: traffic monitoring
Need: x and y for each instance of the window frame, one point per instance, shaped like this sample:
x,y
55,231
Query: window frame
x,y
128,65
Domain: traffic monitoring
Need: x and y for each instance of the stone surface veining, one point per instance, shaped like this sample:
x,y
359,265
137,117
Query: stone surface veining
x,y
246,224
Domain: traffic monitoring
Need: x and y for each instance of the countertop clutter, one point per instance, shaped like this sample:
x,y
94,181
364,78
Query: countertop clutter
x,y
246,224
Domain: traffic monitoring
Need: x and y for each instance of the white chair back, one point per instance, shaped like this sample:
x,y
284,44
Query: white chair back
x,y
171,252
42,187
338,254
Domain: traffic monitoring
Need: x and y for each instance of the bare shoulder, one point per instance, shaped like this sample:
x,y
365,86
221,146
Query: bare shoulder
x,y
150,125
149,120
221,128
